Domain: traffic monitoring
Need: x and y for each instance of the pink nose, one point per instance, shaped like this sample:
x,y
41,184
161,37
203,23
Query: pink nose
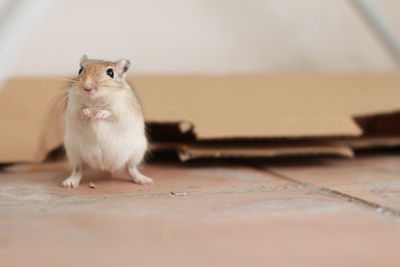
x,y
88,88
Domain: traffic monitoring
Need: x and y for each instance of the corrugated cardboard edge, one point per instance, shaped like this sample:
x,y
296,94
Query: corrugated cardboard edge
x,y
188,127
372,142
182,126
189,151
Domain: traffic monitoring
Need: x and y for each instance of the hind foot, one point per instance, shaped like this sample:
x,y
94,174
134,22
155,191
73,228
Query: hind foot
x,y
71,182
139,178
74,179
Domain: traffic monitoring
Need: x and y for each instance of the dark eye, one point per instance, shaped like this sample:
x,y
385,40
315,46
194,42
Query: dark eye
x,y
110,73
80,70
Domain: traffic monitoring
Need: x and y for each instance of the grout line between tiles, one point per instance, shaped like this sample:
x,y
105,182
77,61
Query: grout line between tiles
x,y
333,193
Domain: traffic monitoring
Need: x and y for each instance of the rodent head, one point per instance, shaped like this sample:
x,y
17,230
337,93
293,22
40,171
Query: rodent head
x,y
98,77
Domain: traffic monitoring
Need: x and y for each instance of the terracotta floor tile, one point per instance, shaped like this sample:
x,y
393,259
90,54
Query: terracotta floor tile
x,y
375,178
383,193
280,228
230,216
45,186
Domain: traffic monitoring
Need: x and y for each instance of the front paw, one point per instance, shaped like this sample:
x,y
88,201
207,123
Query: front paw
x,y
102,114
87,114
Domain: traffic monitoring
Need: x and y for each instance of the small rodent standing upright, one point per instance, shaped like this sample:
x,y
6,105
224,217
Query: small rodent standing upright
x,y
105,127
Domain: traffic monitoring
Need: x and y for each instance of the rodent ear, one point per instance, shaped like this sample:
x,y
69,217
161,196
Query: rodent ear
x,y
123,66
83,60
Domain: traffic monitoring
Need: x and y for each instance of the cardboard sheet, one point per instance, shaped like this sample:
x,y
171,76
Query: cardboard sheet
x,y
307,108
31,115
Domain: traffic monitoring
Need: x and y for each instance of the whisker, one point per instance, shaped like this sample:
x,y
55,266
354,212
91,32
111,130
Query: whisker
x,y
57,94
54,117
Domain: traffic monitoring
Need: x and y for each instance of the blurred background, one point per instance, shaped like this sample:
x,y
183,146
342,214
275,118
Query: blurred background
x,y
201,36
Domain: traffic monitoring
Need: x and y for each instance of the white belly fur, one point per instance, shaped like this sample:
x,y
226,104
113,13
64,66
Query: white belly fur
x,y
104,145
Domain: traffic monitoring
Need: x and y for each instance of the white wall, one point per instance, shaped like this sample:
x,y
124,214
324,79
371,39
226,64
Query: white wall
x,y
206,36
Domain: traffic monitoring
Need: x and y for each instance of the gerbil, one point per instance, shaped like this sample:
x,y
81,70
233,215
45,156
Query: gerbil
x,y
104,122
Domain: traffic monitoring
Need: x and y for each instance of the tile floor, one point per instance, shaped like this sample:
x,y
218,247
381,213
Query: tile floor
x,y
295,212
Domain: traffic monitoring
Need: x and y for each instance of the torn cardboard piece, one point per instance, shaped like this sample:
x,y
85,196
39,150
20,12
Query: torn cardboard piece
x,y
381,130
308,109
372,142
267,106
